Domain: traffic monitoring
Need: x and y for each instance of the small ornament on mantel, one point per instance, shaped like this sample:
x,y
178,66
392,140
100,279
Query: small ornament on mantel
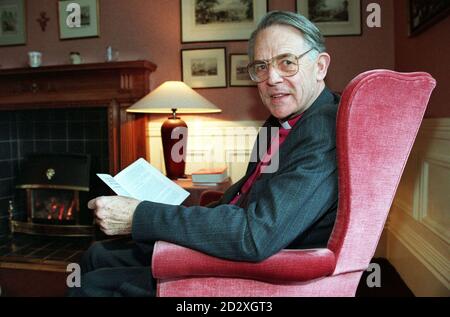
x,y
75,58
43,20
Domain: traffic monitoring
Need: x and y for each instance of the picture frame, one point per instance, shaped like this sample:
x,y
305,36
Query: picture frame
x,y
238,71
204,67
221,20
423,14
333,17
90,20
12,22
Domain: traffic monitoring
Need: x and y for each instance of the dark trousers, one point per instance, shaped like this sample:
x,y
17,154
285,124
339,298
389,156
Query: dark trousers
x,y
116,268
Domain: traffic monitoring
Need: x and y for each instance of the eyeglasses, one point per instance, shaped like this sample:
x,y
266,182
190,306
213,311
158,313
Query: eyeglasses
x,y
286,65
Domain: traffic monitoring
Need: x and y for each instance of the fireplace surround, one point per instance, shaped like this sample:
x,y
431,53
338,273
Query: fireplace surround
x,y
84,103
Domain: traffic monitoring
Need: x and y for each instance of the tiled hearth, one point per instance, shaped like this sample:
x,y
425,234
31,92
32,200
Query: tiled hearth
x,y
75,130
37,265
41,251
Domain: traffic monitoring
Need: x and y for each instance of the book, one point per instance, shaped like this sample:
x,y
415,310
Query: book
x,y
211,184
210,175
142,181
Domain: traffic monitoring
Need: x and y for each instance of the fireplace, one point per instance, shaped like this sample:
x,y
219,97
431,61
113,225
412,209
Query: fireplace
x,y
67,109
53,189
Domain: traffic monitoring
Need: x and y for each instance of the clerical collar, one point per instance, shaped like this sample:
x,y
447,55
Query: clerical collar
x,y
288,124
325,96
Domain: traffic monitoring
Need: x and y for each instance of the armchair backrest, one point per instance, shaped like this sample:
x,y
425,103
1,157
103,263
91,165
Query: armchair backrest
x,y
378,119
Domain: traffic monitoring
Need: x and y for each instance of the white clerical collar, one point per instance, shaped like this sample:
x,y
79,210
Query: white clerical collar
x,y
286,125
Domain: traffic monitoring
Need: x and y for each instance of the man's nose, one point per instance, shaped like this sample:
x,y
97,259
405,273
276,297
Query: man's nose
x,y
274,77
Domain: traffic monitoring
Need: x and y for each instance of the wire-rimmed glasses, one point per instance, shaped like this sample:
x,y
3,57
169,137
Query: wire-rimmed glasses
x,y
286,65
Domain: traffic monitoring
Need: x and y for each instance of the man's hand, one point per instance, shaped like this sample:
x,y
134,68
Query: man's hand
x,y
114,213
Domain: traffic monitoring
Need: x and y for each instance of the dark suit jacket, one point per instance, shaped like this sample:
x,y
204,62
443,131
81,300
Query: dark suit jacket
x,y
293,207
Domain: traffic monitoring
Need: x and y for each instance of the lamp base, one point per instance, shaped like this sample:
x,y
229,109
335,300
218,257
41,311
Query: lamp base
x,y
174,140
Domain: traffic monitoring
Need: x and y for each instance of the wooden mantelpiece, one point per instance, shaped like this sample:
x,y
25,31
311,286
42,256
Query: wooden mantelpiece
x,y
114,86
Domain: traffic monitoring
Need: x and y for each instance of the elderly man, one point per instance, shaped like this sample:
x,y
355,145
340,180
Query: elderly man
x,y
293,206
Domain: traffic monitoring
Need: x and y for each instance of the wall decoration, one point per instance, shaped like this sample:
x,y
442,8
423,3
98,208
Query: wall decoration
x,y
333,17
423,14
220,20
89,20
204,68
238,71
12,22
43,20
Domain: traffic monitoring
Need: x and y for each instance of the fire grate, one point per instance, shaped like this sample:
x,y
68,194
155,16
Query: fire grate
x,y
53,188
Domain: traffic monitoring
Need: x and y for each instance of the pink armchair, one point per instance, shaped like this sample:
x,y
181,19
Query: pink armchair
x,y
378,119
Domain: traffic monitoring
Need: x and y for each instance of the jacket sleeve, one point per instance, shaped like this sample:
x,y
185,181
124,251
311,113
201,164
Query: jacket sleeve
x,y
280,206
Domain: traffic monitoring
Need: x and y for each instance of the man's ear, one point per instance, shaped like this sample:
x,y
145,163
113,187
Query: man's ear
x,y
323,62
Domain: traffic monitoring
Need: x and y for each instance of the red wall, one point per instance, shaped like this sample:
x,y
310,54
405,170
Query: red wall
x,y
143,29
428,51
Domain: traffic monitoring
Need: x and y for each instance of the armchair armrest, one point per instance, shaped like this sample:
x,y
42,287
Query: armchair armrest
x,y
173,261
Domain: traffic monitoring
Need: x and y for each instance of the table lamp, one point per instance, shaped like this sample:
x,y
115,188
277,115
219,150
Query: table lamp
x,y
174,97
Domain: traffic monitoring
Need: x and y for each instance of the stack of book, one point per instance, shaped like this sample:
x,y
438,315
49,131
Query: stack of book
x,y
210,176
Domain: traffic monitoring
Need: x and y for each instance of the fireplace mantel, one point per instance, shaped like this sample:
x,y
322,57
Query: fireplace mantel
x,y
114,86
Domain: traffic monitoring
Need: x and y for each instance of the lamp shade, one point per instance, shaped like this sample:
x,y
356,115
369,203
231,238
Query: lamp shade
x,y
173,95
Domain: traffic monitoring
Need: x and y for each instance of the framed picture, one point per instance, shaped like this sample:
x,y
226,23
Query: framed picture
x,y
423,14
204,68
333,17
12,22
238,71
220,20
89,20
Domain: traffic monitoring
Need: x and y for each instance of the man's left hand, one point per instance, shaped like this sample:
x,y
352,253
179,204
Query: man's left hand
x,y
114,213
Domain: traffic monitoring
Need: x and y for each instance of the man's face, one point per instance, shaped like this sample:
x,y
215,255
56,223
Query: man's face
x,y
284,96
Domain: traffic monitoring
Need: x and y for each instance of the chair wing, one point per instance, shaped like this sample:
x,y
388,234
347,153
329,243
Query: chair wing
x,y
378,119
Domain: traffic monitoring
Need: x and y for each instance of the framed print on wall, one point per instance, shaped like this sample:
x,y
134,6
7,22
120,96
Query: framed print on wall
x,y
238,71
220,20
12,22
204,68
89,20
423,14
333,17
